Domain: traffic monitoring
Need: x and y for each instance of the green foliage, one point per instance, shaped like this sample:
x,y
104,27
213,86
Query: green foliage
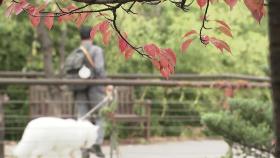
x,y
15,45
163,25
254,111
248,122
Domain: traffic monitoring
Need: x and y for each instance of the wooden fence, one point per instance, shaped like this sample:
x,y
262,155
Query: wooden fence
x,y
193,81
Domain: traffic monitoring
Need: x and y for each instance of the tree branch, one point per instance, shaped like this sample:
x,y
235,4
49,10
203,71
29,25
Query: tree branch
x,y
203,23
121,36
111,1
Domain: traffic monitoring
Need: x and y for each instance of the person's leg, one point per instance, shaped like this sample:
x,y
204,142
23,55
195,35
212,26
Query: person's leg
x,y
81,103
99,122
96,94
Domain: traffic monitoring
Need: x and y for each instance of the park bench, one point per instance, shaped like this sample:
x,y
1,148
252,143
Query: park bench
x,y
41,104
126,109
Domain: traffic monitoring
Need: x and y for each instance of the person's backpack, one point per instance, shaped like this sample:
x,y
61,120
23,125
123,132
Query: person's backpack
x,y
75,61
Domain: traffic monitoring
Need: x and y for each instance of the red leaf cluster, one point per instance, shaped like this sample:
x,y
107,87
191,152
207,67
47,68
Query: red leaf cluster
x,y
103,28
49,20
163,59
34,16
17,8
152,50
33,12
256,7
125,49
220,44
79,19
185,45
20,6
106,33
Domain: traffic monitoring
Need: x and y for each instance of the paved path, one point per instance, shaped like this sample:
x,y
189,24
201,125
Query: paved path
x,y
184,149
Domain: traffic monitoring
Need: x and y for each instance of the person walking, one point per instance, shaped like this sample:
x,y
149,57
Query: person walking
x,y
87,62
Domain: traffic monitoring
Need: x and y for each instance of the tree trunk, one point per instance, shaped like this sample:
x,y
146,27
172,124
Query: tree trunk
x,y
62,49
274,36
47,49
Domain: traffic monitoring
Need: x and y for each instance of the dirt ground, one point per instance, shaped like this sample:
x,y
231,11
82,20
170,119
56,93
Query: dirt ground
x,y
173,149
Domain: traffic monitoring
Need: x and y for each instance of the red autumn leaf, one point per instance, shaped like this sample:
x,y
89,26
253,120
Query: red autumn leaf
x,y
256,7
93,31
49,20
223,24
106,37
156,64
190,33
34,20
171,69
122,43
34,16
201,3
81,19
225,30
103,27
253,4
125,49
258,14
165,73
152,50
20,6
221,45
186,44
231,3
170,55
128,53
61,19
10,10
65,18
163,61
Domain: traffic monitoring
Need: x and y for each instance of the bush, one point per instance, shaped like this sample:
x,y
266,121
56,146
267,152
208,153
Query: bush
x,y
247,122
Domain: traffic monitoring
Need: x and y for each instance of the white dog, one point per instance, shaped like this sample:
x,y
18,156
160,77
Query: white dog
x,y
50,137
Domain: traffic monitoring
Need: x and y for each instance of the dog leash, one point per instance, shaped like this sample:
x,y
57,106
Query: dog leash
x,y
109,97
